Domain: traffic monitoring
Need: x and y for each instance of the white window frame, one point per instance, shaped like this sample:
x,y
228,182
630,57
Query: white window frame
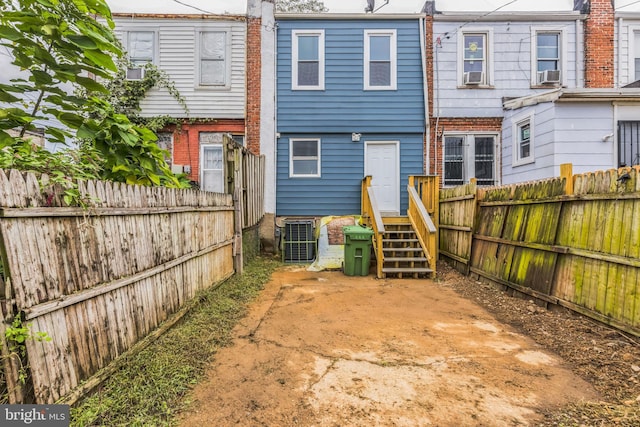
x,y
198,58
469,154
488,57
318,160
154,50
393,57
294,59
203,147
518,123
562,51
633,30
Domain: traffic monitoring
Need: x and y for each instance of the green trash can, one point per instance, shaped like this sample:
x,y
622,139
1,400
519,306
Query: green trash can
x,y
357,250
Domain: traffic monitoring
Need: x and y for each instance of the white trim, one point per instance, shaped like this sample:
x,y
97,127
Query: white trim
x,y
517,123
367,144
294,59
291,159
562,52
488,57
631,68
155,51
227,58
201,170
393,58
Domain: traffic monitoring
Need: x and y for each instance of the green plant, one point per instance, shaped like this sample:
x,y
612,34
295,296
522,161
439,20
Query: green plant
x,y
16,337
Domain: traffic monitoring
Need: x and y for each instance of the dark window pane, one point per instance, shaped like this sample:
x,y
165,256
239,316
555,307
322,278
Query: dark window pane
x,y
629,143
453,160
305,148
308,74
305,167
484,160
380,74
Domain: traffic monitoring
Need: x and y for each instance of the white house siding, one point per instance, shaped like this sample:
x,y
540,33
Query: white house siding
x,y
563,132
177,55
624,48
510,61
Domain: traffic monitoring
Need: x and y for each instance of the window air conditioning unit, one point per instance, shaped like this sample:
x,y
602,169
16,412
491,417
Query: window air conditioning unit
x,y
473,77
549,76
135,73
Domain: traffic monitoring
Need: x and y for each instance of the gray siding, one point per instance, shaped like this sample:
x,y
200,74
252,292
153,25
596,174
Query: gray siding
x,y
177,55
624,50
563,133
509,58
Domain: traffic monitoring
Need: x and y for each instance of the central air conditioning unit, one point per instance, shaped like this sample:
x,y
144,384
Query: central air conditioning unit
x,y
299,242
473,77
135,73
549,76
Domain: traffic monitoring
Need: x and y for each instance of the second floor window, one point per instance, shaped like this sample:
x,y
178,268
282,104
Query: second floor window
x,y
213,58
307,60
474,59
547,57
140,48
380,62
636,56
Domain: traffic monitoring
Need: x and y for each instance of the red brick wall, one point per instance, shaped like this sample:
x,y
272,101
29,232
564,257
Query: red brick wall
x,y
461,125
254,64
599,34
186,145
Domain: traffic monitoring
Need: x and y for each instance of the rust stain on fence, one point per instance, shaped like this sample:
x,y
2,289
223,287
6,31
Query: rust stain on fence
x,y
573,240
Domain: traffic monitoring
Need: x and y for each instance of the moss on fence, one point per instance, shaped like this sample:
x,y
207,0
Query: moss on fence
x,y
149,388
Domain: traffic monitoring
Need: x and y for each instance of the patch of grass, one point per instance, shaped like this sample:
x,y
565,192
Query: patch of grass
x,y
150,387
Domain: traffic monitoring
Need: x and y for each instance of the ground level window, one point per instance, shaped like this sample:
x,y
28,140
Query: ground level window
x,y
304,158
211,162
628,143
469,156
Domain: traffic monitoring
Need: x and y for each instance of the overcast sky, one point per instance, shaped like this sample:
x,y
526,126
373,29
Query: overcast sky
x,y
355,6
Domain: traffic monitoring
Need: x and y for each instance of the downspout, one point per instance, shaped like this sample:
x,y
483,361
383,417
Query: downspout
x,y
577,59
425,91
619,67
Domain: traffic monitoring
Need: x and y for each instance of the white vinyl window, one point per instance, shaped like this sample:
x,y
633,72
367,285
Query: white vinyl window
x,y
307,60
469,156
547,56
380,60
304,158
474,59
211,162
523,141
165,141
635,55
140,51
213,61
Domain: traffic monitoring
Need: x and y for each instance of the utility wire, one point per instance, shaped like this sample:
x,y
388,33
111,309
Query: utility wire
x,y
482,16
193,7
627,5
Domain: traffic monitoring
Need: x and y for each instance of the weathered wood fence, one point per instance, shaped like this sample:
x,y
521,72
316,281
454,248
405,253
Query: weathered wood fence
x,y
98,280
573,241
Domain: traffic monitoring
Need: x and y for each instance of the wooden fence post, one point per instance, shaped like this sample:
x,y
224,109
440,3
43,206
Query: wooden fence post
x,y
566,171
238,261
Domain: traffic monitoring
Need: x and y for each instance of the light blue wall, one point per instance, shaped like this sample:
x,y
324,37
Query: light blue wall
x,y
337,191
509,57
343,108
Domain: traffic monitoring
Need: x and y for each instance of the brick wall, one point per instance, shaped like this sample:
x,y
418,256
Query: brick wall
x,y
254,64
599,51
457,125
186,145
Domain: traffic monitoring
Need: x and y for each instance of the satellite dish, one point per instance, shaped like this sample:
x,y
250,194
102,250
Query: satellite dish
x,y
371,5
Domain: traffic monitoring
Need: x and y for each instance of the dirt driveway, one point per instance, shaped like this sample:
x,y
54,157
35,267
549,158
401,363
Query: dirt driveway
x,y
323,349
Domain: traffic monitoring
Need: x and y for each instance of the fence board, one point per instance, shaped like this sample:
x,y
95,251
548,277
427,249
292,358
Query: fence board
x,y
580,249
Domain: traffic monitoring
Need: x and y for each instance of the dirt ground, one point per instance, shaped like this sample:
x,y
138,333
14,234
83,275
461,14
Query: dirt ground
x,y
324,349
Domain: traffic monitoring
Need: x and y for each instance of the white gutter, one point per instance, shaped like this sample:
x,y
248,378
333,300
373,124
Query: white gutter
x,y
425,91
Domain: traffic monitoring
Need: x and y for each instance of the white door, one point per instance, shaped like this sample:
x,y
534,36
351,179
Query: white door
x,y
382,163
212,164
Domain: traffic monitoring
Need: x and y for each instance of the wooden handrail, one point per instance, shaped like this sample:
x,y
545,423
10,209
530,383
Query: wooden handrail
x,y
371,215
423,225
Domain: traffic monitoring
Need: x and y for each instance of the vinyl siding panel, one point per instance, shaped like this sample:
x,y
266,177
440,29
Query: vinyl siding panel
x,y
178,56
344,105
509,61
624,50
337,191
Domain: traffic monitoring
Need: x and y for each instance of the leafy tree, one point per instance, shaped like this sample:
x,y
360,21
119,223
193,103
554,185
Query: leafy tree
x,y
301,6
59,43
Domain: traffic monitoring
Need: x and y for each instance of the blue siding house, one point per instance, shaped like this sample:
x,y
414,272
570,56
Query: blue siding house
x,y
350,103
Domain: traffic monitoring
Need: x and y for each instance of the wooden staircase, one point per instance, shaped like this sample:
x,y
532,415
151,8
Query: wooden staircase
x,y
403,254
